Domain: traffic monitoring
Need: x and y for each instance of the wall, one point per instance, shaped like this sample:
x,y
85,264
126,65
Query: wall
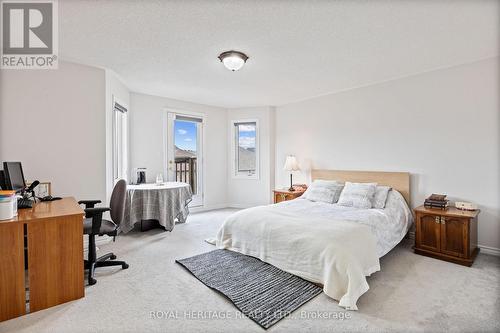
x,y
53,122
441,126
147,124
253,192
115,89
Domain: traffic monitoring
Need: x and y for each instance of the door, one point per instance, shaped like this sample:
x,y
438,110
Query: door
x,y
428,232
454,236
185,152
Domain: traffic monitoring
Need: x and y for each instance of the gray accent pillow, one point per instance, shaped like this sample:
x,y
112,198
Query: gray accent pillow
x,y
380,196
358,195
324,191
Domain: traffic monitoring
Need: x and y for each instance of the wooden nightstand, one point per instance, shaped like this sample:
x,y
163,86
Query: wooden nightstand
x,y
284,194
449,234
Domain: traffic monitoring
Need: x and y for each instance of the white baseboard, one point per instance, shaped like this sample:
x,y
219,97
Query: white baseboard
x,y
100,240
241,206
200,209
489,250
484,249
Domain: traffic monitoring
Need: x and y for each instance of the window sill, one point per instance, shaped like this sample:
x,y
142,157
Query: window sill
x,y
252,177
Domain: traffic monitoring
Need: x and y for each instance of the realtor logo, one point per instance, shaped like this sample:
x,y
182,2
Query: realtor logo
x,y
29,34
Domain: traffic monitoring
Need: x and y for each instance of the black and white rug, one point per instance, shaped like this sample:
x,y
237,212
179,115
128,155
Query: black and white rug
x,y
262,292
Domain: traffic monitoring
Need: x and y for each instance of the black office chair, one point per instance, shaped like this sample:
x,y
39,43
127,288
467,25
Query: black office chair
x,y
94,225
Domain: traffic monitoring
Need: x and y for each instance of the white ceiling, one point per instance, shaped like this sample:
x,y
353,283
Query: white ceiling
x,y
297,50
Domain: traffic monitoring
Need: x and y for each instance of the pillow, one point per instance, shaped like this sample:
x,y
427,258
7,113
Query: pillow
x,y
357,195
380,196
323,190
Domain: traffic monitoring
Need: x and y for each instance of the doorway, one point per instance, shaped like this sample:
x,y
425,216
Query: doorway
x,y
185,152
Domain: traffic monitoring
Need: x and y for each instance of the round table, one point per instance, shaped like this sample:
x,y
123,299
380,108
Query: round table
x,y
164,202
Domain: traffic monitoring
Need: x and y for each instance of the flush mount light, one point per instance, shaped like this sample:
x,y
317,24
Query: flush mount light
x,y
233,60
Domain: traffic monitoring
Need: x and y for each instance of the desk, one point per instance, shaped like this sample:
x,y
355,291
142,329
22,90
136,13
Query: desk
x,y
163,203
54,233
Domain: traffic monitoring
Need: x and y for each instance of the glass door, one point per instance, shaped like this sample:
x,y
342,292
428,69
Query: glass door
x,y
184,153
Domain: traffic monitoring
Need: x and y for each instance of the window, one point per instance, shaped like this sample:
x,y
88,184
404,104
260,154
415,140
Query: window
x,y
119,142
245,149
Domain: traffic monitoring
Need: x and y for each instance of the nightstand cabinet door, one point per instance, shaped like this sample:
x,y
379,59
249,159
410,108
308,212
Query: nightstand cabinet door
x,y
454,235
279,197
428,232
449,234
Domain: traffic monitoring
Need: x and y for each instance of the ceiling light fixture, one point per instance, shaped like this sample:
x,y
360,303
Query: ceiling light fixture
x,y
233,60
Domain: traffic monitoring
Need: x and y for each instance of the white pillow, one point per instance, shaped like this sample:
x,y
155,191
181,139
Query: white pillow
x,y
380,196
357,195
323,190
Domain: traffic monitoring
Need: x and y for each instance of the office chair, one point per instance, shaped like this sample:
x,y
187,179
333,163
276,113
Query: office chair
x,y
94,225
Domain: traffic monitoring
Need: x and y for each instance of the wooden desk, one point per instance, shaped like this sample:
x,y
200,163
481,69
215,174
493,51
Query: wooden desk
x,y
55,257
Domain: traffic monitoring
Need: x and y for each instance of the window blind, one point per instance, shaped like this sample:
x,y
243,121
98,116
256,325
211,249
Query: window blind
x,y
186,118
119,108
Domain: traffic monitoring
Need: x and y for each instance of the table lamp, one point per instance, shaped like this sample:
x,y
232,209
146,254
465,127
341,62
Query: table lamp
x,y
291,164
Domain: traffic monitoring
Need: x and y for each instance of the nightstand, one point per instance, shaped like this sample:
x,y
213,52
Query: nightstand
x,y
284,194
449,234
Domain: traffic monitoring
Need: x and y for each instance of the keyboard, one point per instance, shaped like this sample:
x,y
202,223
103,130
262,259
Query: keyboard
x,y
24,203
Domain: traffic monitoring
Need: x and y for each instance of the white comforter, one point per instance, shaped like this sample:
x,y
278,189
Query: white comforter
x,y
323,243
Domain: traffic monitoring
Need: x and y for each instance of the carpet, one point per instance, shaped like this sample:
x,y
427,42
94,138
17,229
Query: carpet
x,y
262,292
405,296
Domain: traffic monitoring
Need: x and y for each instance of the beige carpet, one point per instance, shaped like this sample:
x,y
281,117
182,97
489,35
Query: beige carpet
x,y
411,293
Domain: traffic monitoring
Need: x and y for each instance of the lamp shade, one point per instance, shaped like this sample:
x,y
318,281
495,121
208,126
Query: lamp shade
x,y
291,164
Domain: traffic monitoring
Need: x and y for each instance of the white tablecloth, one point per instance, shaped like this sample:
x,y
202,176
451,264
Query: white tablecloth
x,y
163,203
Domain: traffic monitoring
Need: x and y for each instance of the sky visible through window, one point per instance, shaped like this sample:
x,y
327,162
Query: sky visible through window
x,y
246,136
246,154
185,135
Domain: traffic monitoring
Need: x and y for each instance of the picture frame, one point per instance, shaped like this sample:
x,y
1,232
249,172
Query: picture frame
x,y
42,190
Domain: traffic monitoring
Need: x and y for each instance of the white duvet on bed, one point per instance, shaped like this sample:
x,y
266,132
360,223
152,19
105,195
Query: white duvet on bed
x,y
323,243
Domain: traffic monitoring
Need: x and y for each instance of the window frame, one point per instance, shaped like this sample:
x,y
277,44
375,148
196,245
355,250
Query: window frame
x,y
234,154
119,142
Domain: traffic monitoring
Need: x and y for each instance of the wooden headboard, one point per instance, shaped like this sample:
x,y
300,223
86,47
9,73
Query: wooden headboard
x,y
399,181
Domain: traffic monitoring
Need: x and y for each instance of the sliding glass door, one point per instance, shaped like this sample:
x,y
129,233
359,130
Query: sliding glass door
x,y
185,152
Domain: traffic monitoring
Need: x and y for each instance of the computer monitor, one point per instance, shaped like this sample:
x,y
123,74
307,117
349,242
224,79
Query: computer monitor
x,y
14,176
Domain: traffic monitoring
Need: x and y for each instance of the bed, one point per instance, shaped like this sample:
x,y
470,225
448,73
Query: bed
x,y
328,244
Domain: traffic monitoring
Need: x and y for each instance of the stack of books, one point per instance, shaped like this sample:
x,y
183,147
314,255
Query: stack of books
x,y
7,202
7,195
436,201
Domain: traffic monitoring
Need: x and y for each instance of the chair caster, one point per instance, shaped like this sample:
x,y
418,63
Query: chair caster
x,y
124,266
112,257
92,281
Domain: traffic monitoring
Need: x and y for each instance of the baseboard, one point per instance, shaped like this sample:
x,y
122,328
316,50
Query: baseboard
x,y
242,206
222,206
100,240
484,249
207,208
489,250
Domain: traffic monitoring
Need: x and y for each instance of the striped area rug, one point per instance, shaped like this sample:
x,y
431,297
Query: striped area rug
x,y
262,292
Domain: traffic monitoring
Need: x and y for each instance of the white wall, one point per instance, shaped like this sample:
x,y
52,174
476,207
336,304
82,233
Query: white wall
x,y
253,192
53,122
147,124
441,126
115,90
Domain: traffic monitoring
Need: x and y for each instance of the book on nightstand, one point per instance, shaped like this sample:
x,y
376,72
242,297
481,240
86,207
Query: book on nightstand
x,y
437,201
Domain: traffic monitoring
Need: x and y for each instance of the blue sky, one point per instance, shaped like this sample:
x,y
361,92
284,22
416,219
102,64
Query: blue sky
x,y
185,135
247,136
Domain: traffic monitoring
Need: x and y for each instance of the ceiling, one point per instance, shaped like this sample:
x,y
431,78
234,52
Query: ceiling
x,y
297,49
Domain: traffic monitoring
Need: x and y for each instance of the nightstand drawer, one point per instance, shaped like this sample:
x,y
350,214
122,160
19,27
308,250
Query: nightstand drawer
x,y
284,195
